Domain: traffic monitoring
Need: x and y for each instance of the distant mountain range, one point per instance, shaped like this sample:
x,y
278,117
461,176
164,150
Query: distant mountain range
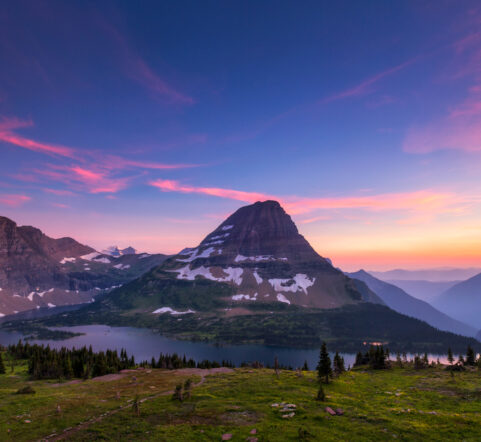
x,y
397,299
425,290
446,274
463,301
38,271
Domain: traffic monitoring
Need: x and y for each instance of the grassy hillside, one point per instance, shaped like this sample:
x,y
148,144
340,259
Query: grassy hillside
x,y
397,403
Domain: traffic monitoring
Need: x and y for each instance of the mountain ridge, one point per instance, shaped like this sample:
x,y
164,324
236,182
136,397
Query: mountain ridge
x,y
400,301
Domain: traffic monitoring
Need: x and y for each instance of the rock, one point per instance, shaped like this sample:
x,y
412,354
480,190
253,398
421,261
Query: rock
x,y
339,411
226,436
330,411
253,431
274,405
288,416
27,421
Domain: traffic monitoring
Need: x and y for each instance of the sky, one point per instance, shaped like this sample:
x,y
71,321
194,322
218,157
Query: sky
x,y
147,123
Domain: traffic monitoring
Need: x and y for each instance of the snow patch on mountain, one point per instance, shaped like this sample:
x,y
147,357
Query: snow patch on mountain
x,y
299,282
224,235
227,227
245,297
163,310
258,278
241,258
195,254
66,260
122,266
234,274
90,256
282,298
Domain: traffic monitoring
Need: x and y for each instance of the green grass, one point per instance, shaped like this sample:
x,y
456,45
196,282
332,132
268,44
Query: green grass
x,y
390,404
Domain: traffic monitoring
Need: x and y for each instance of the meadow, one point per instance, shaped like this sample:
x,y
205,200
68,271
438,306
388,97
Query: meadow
x,y
396,403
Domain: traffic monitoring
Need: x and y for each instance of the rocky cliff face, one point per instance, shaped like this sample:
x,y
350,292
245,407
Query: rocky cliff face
x,y
39,271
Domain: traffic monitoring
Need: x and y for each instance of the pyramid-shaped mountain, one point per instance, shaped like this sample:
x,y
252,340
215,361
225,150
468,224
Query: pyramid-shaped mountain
x,y
259,254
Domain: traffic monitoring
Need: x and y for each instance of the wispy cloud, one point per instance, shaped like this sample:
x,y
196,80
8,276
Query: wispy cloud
x,y
14,200
460,127
366,87
136,68
86,169
426,201
363,88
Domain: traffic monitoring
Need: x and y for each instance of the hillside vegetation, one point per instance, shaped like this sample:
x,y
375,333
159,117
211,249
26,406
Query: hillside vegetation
x,y
396,403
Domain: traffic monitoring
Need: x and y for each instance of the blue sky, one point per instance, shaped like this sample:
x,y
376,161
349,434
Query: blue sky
x,y
146,123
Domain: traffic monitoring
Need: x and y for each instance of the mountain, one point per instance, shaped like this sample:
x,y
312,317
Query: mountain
x,y
463,301
258,255
38,271
400,301
438,274
255,279
116,252
425,290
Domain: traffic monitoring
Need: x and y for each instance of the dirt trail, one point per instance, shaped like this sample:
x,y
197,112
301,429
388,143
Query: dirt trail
x,y
67,432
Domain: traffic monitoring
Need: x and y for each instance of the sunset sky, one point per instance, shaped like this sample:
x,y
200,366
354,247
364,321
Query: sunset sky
x,y
147,123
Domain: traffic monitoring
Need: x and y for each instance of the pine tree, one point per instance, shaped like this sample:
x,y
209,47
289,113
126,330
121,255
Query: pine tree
x,y
324,369
470,357
67,368
399,360
450,356
320,394
177,396
338,364
305,367
2,366
136,406
187,388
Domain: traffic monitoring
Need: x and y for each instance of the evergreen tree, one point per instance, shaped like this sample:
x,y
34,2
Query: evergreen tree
x,y
324,369
320,393
177,396
425,359
136,406
2,366
399,360
67,368
359,359
305,367
470,357
100,365
187,388
450,356
339,367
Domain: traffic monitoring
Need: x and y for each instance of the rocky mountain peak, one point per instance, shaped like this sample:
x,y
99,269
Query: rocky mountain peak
x,y
260,231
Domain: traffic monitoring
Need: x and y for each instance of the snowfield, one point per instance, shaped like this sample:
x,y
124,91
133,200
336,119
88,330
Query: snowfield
x,y
300,282
163,310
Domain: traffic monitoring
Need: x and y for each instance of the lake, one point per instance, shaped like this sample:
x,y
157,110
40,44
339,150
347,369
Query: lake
x,y
145,344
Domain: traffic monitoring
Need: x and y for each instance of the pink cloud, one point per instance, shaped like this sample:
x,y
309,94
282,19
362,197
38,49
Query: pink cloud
x,y
59,192
82,179
7,136
423,200
60,205
14,200
94,171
